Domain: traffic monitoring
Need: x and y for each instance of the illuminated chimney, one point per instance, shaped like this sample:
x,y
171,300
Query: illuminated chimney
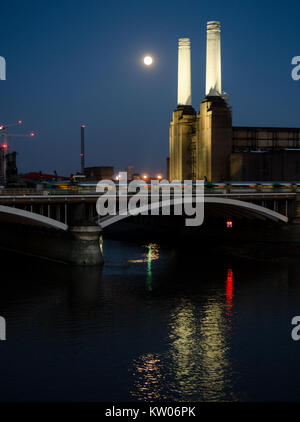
x,y
213,59
184,94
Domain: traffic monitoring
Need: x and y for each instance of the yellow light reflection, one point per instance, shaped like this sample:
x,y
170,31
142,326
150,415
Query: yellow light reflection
x,y
183,335
199,351
148,379
154,254
214,347
101,244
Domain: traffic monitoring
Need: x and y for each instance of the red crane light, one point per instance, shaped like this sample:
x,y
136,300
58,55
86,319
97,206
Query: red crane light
x,y
4,146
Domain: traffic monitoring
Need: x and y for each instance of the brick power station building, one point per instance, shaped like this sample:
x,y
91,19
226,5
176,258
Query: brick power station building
x,y
206,146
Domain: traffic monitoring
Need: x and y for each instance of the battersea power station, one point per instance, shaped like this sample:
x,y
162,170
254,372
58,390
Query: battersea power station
x,y
205,145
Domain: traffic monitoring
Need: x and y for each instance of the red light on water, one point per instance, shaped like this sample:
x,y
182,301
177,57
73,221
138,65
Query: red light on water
x,y
229,291
20,122
31,134
229,224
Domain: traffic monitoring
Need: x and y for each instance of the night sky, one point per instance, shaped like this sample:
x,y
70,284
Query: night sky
x,y
73,62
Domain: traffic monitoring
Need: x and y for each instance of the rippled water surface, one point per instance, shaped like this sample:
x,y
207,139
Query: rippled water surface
x,y
156,323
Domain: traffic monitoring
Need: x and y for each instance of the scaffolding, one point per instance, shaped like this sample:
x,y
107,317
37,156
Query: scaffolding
x,y
192,162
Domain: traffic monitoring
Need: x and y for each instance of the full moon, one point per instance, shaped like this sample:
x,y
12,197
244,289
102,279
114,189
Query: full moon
x,y
148,60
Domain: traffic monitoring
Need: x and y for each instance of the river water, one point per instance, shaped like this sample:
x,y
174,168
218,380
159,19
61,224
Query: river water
x,y
155,323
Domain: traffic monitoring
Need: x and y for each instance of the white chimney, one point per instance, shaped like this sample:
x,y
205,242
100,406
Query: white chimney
x,y
184,94
213,59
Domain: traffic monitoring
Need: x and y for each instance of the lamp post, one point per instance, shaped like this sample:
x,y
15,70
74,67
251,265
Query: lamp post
x,y
82,149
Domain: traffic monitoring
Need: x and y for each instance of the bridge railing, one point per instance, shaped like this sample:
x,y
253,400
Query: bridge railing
x,y
48,192
213,188
19,192
252,188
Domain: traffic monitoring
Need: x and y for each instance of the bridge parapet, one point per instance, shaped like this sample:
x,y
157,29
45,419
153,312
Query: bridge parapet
x,y
80,208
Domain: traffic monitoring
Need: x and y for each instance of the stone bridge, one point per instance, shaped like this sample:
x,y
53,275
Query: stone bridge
x,y
67,227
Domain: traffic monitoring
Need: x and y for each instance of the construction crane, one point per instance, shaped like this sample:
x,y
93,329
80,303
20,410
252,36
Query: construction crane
x,y
4,148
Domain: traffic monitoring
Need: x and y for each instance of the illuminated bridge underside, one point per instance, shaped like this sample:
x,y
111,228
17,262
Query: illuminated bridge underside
x,y
223,207
16,215
220,207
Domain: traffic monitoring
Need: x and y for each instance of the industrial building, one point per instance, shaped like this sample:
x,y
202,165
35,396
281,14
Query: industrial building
x,y
8,166
99,173
205,145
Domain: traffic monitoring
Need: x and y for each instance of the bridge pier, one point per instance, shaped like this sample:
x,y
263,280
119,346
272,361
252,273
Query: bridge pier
x,y
85,248
79,245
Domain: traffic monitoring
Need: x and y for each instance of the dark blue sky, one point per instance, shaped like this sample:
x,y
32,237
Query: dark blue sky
x,y
73,62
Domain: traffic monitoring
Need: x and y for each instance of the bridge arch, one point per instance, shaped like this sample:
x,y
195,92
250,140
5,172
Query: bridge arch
x,y
242,207
16,215
248,207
